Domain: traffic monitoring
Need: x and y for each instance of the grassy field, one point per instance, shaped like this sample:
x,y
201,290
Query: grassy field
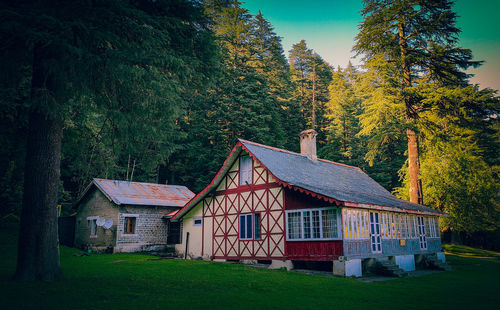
x,y
131,281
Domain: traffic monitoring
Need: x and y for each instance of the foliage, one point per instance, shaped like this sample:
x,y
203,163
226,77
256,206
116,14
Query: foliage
x,y
311,76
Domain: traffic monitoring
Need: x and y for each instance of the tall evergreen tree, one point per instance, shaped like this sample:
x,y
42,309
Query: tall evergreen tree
x,y
129,58
311,75
420,38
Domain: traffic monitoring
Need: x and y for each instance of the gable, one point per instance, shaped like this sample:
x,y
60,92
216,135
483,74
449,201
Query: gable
x,y
330,181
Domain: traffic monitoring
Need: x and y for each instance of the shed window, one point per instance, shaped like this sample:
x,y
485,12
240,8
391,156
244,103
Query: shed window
x,y
313,224
250,226
129,225
93,228
197,221
245,170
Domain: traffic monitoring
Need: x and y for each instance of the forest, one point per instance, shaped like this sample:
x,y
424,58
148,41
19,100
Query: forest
x,y
160,91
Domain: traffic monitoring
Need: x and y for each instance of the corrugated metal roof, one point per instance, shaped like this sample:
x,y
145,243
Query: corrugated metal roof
x,y
145,194
330,179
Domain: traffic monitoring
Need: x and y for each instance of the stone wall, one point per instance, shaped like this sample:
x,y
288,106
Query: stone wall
x,y
150,229
95,204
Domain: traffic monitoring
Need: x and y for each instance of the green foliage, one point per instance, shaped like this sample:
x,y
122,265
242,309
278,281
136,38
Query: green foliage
x,y
121,75
249,98
311,76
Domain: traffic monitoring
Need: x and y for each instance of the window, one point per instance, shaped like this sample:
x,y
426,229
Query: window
x,y
257,225
197,221
294,226
356,224
92,224
129,225
93,228
245,170
250,226
312,224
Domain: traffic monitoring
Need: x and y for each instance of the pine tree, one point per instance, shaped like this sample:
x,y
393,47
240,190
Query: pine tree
x,y
418,38
129,60
311,76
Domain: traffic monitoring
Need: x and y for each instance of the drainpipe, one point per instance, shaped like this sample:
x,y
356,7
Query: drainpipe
x,y
187,242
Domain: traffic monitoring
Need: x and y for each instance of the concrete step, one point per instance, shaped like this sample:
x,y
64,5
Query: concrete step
x,y
389,268
433,263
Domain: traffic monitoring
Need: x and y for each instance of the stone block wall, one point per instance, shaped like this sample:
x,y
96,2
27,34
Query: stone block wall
x,y
95,204
150,229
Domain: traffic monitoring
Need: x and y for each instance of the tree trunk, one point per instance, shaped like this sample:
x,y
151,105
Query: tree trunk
x,y
38,247
314,99
413,167
416,194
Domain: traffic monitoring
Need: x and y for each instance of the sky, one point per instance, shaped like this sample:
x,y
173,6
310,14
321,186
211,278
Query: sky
x,y
329,28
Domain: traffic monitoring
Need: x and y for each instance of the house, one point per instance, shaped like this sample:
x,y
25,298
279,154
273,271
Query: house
x,y
274,206
121,216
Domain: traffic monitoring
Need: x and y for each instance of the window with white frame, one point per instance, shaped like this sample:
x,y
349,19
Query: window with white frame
x,y
250,226
245,170
92,224
313,224
356,224
432,227
197,221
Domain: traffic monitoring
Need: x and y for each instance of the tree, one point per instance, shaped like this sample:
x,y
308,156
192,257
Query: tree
x,y
364,129
457,173
311,75
248,99
419,38
128,58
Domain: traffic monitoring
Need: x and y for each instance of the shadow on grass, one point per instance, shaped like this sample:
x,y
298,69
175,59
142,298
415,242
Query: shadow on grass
x,y
469,252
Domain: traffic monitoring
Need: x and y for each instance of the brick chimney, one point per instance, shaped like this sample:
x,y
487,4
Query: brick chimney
x,y
308,143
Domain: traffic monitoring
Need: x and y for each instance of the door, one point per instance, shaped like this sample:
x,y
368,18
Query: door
x,y
421,233
375,232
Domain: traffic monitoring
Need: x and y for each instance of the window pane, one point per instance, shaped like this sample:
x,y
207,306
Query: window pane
x,y
306,219
294,227
242,226
257,225
315,225
329,222
245,170
249,226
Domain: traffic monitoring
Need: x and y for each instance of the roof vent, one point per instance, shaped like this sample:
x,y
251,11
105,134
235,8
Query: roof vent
x,y
308,143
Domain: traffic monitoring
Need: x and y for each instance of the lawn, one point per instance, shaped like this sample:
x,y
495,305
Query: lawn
x,y
132,281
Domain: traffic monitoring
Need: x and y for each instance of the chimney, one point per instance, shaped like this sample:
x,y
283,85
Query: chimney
x,y
308,143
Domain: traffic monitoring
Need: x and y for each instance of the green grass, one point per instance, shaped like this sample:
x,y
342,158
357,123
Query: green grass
x,y
133,281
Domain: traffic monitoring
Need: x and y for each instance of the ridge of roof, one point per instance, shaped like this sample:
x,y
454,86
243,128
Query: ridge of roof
x,y
297,154
142,183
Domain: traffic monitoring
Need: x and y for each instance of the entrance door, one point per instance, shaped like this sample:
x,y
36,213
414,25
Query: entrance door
x,y
375,232
421,233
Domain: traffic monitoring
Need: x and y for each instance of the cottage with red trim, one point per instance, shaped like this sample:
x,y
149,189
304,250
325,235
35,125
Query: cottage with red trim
x,y
272,205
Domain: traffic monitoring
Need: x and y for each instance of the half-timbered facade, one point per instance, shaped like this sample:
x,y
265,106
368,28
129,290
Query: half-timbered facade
x,y
269,204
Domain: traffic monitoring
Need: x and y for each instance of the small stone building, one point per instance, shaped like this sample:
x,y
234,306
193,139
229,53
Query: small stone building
x,y
121,216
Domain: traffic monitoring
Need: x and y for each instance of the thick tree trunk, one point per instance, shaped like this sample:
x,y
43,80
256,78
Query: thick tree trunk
x,y
413,167
38,247
416,194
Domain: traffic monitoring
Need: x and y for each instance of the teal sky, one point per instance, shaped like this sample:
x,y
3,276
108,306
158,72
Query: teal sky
x,y
329,28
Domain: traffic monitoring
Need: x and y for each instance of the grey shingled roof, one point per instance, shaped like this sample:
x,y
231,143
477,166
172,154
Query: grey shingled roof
x,y
334,180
